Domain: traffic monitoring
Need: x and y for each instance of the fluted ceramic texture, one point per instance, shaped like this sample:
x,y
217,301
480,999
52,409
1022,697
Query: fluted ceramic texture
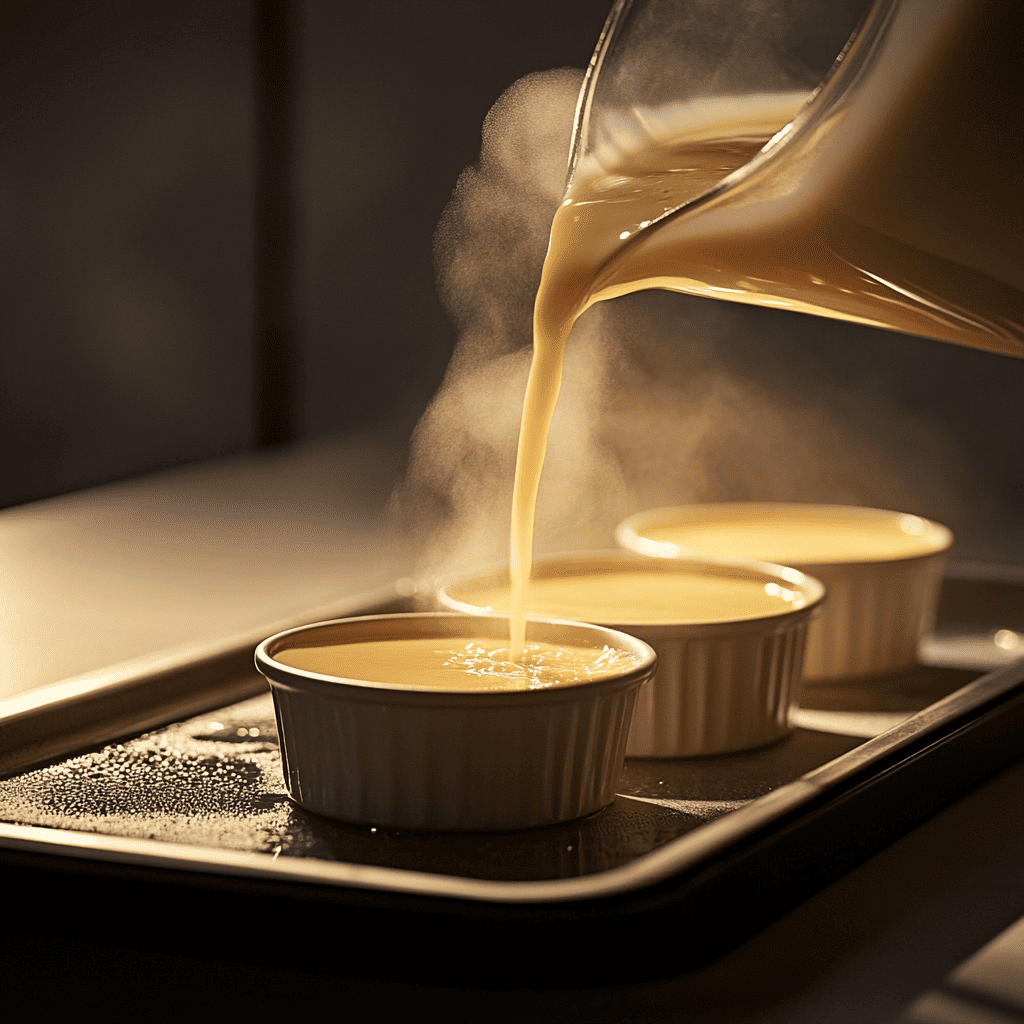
x,y
433,767
873,618
875,613
405,757
719,686
713,695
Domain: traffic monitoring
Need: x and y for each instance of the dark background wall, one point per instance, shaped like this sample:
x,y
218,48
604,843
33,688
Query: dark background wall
x,y
125,239
126,224
126,232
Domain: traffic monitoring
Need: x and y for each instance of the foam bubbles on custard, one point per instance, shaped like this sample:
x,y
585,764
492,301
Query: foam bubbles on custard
x,y
541,665
457,663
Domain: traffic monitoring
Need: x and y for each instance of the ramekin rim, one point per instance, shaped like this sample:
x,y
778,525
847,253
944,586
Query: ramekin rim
x,y
797,577
627,528
296,678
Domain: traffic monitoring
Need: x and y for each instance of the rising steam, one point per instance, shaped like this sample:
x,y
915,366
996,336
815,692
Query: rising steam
x,y
666,399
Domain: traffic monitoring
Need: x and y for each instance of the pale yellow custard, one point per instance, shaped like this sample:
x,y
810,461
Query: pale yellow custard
x,y
642,596
588,260
791,535
459,663
879,208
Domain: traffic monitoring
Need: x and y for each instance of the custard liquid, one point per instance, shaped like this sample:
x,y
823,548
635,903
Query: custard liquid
x,y
458,663
902,209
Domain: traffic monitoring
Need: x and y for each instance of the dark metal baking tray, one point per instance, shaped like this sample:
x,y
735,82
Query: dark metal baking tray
x,y
100,796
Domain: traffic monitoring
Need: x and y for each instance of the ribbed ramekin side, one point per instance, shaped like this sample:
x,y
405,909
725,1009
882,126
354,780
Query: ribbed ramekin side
x,y
874,617
716,695
460,768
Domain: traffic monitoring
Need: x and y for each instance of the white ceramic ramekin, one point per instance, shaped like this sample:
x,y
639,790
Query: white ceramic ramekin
x,y
721,686
879,606
417,758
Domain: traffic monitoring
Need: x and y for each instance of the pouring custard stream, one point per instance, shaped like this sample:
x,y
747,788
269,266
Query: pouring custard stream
x,y
874,206
587,234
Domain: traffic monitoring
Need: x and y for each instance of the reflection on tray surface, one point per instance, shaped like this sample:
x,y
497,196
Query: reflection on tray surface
x,y
215,781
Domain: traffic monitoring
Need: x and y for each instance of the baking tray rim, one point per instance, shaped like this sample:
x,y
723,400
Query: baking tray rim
x,y
686,853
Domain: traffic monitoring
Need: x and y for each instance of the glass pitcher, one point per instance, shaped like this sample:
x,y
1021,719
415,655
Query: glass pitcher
x,y
890,193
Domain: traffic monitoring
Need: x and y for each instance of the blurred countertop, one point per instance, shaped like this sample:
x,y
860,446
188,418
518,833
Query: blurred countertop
x,y
193,555
243,545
